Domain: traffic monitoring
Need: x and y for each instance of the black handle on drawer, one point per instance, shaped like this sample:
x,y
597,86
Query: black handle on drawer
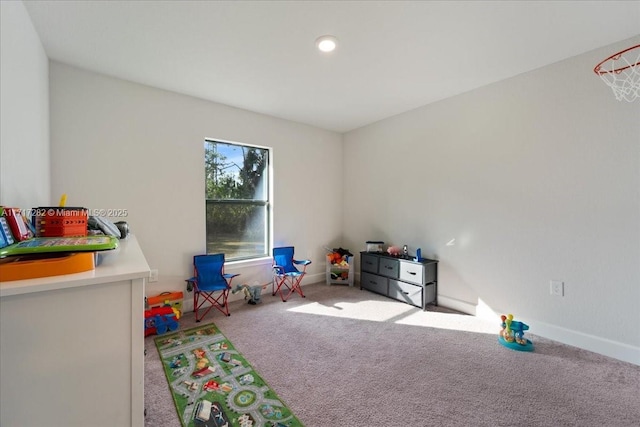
x,y
413,273
406,293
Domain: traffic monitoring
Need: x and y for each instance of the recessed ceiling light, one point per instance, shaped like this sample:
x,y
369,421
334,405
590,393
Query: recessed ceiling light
x,y
326,43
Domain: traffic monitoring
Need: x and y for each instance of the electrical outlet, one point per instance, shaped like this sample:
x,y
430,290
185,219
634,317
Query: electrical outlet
x,y
153,276
557,288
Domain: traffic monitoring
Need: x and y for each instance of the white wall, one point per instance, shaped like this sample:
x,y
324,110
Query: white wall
x,y
24,111
537,178
121,145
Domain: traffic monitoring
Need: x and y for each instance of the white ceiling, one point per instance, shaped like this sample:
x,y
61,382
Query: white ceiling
x,y
393,56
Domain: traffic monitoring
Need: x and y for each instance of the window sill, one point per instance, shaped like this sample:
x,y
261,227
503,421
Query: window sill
x,y
256,262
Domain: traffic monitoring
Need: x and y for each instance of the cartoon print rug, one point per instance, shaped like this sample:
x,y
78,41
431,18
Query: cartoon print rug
x,y
213,385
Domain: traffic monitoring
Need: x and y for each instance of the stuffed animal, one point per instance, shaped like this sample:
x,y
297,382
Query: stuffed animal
x,y
394,251
252,293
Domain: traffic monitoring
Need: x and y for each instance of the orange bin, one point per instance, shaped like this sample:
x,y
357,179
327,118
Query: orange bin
x,y
45,265
173,299
61,222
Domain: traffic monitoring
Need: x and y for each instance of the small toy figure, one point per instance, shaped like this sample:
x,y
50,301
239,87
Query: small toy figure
x,y
252,293
512,334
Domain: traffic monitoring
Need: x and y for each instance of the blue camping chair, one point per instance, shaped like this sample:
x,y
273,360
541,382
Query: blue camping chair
x,y
286,277
209,278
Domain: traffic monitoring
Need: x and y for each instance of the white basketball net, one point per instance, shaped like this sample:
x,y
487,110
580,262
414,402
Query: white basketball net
x,y
621,73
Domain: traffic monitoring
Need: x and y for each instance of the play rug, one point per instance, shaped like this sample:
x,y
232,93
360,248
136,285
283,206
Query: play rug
x,y
213,385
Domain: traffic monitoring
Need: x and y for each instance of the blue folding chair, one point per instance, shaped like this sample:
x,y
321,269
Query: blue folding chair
x,y
286,277
208,279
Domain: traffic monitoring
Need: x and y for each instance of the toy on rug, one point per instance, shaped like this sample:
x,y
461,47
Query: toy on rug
x,y
512,334
160,320
252,293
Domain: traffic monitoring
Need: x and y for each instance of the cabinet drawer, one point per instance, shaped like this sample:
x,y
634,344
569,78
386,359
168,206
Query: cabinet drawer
x,y
410,272
406,292
388,267
374,283
369,263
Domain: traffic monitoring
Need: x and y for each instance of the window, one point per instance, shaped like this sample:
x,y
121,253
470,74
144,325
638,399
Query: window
x,y
237,200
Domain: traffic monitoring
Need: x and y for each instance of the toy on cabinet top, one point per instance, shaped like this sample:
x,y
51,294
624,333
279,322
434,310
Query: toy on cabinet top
x,y
512,334
394,251
374,246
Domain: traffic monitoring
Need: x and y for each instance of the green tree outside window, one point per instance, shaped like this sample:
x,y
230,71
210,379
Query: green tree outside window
x,y
237,200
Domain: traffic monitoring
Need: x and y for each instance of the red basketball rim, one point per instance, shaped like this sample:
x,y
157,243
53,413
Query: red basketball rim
x,y
615,57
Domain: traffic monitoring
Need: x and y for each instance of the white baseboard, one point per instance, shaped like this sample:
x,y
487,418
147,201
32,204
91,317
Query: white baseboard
x,y
457,305
314,278
604,346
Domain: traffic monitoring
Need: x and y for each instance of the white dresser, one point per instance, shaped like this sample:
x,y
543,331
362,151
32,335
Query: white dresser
x,y
72,346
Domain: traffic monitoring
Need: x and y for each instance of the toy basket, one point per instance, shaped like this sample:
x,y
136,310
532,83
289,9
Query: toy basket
x,y
340,274
61,222
172,299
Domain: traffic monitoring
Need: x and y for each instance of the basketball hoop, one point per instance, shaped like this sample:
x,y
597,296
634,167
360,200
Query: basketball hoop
x,y
621,72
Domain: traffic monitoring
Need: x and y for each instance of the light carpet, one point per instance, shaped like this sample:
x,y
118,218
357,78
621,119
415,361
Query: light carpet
x,y
347,357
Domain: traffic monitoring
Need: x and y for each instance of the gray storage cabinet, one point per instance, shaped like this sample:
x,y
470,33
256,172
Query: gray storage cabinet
x,y
413,282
